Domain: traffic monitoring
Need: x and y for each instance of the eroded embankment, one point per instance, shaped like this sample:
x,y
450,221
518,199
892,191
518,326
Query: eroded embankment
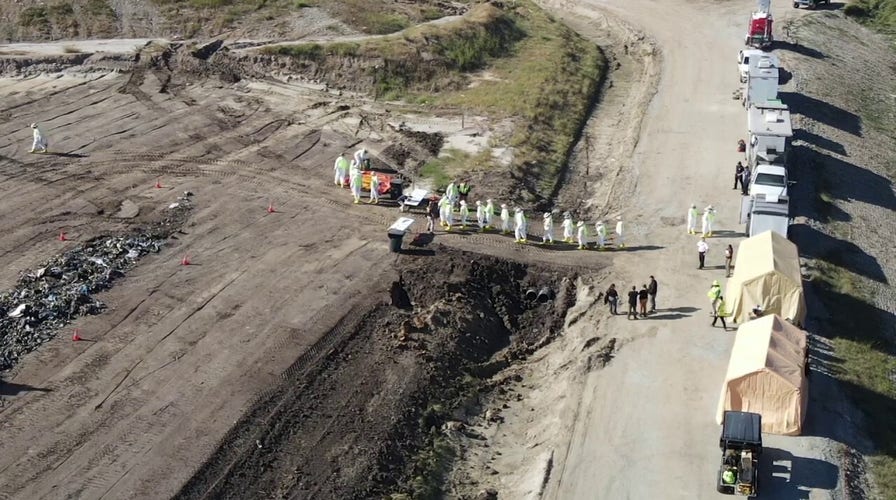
x,y
361,415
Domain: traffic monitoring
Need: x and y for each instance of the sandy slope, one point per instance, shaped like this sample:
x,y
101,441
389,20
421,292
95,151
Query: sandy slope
x,y
644,425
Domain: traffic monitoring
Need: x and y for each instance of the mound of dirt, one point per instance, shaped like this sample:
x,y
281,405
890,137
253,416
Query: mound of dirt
x,y
360,415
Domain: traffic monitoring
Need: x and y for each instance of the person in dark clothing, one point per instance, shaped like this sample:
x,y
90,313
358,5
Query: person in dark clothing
x,y
651,289
633,303
738,174
432,213
745,181
642,301
612,298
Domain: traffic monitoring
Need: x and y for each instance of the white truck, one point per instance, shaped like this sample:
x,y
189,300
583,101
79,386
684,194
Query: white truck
x,y
769,180
761,213
769,126
746,55
762,82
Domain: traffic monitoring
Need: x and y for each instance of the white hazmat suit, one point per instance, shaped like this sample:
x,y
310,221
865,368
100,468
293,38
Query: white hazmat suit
x,y
692,219
582,235
360,157
340,168
548,236
620,234
709,214
464,214
505,219
374,188
445,213
480,215
489,213
568,227
40,143
519,225
601,235
354,182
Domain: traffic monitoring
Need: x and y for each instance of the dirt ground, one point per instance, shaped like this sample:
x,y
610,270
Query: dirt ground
x,y
184,351
273,365
626,409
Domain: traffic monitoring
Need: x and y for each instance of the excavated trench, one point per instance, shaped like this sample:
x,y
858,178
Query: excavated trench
x,y
364,413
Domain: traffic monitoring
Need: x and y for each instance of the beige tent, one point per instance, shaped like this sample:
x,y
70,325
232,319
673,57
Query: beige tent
x,y
767,273
766,375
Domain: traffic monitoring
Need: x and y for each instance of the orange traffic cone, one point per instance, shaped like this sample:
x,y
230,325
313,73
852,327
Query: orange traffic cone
x,y
185,261
62,236
271,208
159,183
76,335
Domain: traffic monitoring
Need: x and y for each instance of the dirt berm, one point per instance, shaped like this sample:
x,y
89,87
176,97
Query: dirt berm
x,y
366,412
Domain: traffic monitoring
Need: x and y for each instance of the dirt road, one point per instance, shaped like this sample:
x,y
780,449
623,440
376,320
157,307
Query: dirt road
x,y
643,424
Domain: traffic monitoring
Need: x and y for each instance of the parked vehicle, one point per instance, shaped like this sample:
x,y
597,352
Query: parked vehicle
x,y
760,214
770,131
762,82
809,4
741,444
769,180
759,31
746,55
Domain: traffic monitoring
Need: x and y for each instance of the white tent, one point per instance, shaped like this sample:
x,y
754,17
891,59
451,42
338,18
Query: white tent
x,y
766,375
766,273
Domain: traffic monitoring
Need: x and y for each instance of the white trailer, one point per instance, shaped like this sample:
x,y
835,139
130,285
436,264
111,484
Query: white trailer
x,y
744,57
762,81
761,213
769,126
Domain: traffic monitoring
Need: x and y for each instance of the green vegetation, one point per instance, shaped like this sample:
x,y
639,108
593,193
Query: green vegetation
x,y
881,13
549,81
383,23
451,164
35,17
546,81
865,363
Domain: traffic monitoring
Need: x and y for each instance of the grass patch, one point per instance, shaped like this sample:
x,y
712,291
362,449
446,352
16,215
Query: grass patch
x,y
383,23
546,79
881,13
549,81
865,363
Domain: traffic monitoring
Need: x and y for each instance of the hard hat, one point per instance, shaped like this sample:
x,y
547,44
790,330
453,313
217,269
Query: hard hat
x,y
462,202
600,223
33,125
547,215
518,209
709,207
503,205
363,151
715,283
581,223
478,203
619,217
567,215
488,200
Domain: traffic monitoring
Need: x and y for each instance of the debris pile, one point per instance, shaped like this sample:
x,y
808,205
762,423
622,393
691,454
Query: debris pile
x,y
61,289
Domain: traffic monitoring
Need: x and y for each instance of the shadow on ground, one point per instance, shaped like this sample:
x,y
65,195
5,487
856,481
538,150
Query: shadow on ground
x,y
823,112
11,389
785,476
815,244
819,141
798,49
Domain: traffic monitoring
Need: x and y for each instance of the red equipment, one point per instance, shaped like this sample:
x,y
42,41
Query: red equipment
x,y
759,33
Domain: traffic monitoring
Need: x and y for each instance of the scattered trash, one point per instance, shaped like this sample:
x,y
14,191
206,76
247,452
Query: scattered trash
x,y
17,312
61,289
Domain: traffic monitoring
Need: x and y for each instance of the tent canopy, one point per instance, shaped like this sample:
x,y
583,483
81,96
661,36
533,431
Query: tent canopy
x,y
766,273
766,375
